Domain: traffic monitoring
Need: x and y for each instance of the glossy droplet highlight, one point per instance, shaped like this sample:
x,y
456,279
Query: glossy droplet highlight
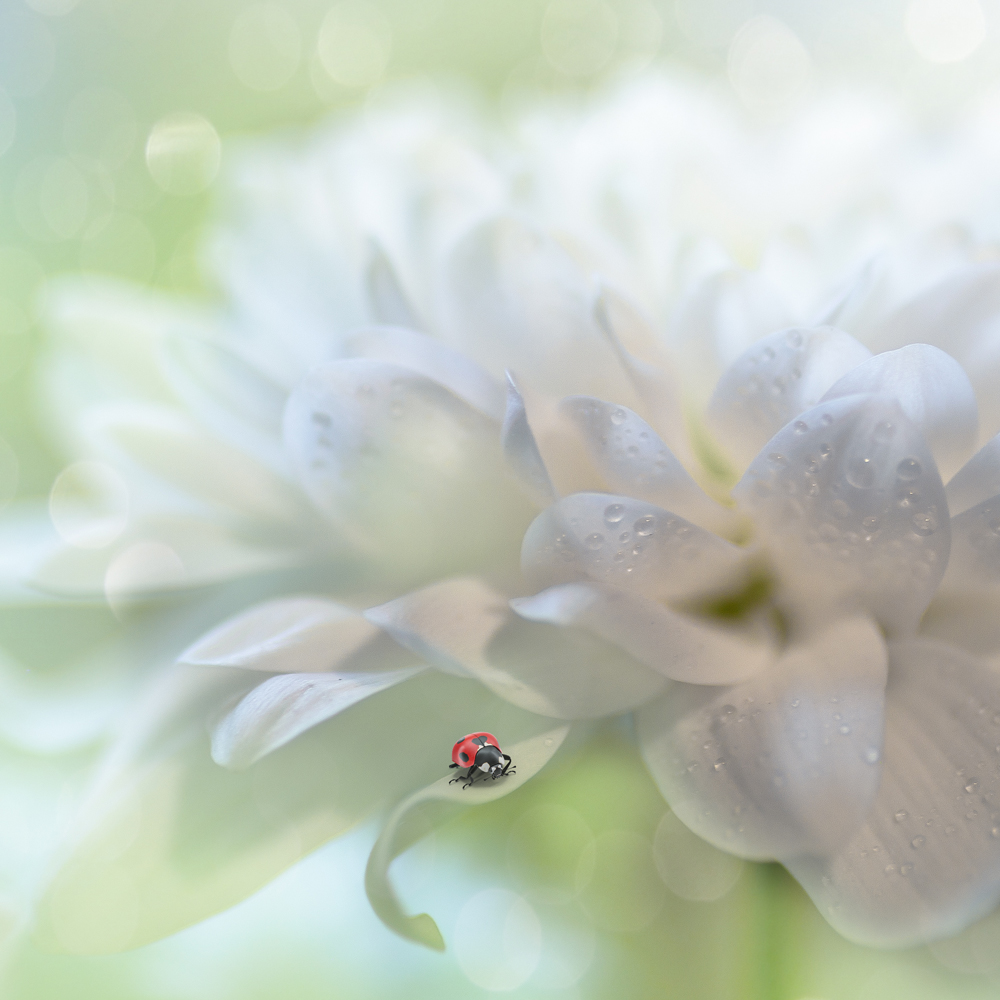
x,y
801,427
645,526
861,473
925,523
909,469
595,541
617,417
917,842
614,513
901,816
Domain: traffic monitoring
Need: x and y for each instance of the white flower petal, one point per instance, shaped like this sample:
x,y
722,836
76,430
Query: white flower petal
x,y
634,461
932,390
773,382
675,645
465,627
977,480
412,473
386,298
958,315
521,450
629,543
412,819
784,763
164,443
298,635
283,707
850,508
170,837
974,563
717,321
429,357
519,301
927,861
228,393
635,343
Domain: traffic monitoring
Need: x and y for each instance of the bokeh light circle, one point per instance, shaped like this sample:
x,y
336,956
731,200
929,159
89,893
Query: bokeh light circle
x,y
619,887
544,849
265,46
498,940
89,504
945,31
691,867
183,153
768,65
354,44
578,36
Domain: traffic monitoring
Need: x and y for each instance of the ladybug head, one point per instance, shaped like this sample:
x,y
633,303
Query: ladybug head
x,y
490,760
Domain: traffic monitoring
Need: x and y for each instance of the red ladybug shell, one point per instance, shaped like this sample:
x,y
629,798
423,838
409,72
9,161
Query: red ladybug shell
x,y
463,753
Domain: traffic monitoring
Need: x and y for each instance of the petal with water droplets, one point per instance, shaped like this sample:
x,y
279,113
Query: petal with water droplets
x,y
633,460
926,863
849,506
772,382
785,763
629,543
932,390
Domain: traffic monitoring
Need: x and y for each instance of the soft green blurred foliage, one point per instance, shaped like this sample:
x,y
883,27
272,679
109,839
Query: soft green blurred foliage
x,y
110,113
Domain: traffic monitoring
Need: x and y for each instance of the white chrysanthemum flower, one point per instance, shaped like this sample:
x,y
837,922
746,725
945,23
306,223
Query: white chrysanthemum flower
x,y
417,368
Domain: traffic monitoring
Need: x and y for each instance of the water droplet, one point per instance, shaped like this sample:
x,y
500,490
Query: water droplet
x,y
972,787
825,450
801,427
909,469
905,870
917,842
619,556
861,474
645,526
777,459
812,464
869,522
614,513
595,541
719,765
727,712
901,816
769,353
883,432
890,869
827,419
624,536
636,549
796,702
871,755
632,451
925,523
617,417
844,730
793,338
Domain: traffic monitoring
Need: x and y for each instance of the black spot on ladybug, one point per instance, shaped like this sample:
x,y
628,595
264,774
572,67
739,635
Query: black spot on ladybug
x,y
464,757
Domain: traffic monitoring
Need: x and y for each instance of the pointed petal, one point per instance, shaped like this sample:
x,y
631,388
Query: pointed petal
x,y
433,359
675,645
784,763
284,707
467,628
634,341
850,508
518,300
521,450
957,314
413,473
163,443
386,299
628,543
170,837
927,861
298,635
977,480
931,389
632,459
228,393
436,803
774,381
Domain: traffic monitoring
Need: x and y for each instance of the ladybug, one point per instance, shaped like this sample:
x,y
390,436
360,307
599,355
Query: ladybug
x,y
481,754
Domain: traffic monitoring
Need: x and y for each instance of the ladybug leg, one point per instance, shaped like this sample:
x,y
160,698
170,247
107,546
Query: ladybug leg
x,y
453,765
